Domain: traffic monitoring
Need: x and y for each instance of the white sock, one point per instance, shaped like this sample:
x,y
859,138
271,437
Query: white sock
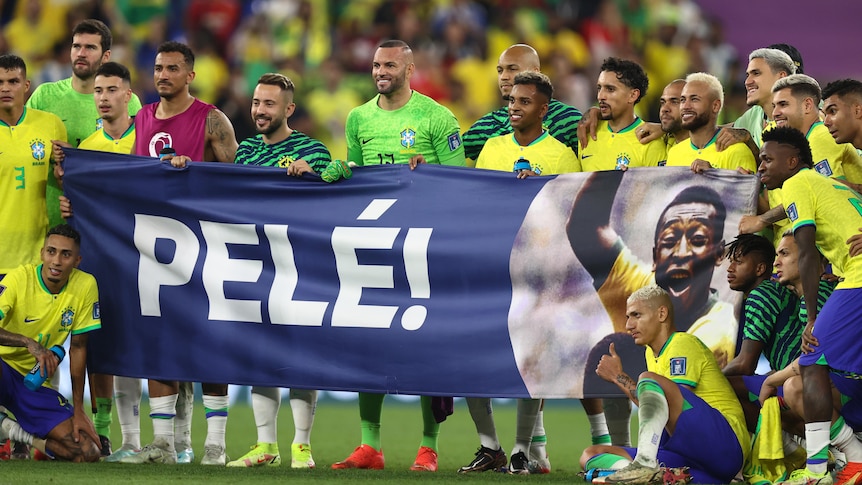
x,y
127,396
652,419
303,403
10,429
185,409
483,417
216,410
618,413
528,411
599,429
540,440
846,441
816,445
163,412
265,402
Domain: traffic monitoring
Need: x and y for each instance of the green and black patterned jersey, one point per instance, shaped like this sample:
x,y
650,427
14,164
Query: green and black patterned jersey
x,y
422,126
297,146
775,317
561,121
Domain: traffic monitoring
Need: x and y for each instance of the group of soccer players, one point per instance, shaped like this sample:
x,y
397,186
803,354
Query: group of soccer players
x,y
783,136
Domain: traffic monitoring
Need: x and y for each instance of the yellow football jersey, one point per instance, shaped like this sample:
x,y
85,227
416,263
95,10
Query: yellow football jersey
x,y
547,155
831,159
686,360
732,157
836,212
25,158
28,308
616,150
102,142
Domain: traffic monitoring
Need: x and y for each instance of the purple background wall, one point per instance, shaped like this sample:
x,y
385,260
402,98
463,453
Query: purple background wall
x,y
828,33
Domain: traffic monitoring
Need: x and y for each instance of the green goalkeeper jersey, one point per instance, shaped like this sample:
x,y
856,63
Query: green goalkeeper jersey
x,y
422,126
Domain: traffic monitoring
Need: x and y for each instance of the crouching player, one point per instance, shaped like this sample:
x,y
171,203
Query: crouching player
x,y
40,306
682,399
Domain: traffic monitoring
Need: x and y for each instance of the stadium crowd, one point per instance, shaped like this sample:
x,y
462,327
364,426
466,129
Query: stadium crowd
x,y
285,84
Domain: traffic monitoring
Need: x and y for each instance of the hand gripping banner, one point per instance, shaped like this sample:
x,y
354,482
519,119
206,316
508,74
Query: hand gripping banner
x,y
436,281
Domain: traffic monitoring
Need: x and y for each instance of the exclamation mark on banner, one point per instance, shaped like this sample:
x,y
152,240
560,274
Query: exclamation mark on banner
x,y
416,267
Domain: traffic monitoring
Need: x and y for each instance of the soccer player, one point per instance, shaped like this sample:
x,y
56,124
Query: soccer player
x,y
682,398
621,85
25,138
765,66
770,317
112,93
278,145
561,120
669,114
72,98
398,125
530,150
824,214
40,307
702,99
198,131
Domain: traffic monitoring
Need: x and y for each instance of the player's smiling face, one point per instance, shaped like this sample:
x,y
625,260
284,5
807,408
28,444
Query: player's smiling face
x,y
171,74
697,105
13,89
60,256
86,55
669,114
391,69
614,97
112,97
759,79
787,110
686,251
270,108
526,107
787,261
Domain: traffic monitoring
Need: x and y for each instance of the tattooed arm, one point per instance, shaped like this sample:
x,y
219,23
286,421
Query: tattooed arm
x,y
221,142
610,368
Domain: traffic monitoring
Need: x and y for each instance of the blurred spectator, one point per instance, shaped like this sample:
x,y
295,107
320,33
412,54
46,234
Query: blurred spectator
x,y
329,105
211,71
721,58
31,35
300,32
56,68
218,17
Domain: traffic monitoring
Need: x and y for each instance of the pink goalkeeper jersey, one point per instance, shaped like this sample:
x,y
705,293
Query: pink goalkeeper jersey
x,y
185,132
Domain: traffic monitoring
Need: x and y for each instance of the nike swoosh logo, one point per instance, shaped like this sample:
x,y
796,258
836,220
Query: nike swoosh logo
x,y
585,156
30,320
365,141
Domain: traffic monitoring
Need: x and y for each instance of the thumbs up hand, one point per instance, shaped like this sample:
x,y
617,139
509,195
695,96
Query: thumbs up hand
x,y
610,367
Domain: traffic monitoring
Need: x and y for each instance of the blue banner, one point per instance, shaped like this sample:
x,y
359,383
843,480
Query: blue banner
x,y
437,281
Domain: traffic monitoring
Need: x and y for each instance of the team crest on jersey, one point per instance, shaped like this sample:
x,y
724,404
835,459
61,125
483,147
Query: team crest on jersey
x,y
454,141
284,161
37,149
792,213
822,167
99,124
623,161
678,366
408,138
97,313
66,319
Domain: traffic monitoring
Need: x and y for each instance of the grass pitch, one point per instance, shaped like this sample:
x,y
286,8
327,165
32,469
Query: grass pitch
x,y
335,435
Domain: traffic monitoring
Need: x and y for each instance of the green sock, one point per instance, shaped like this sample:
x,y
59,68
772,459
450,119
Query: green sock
x,y
102,419
370,409
608,461
430,426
